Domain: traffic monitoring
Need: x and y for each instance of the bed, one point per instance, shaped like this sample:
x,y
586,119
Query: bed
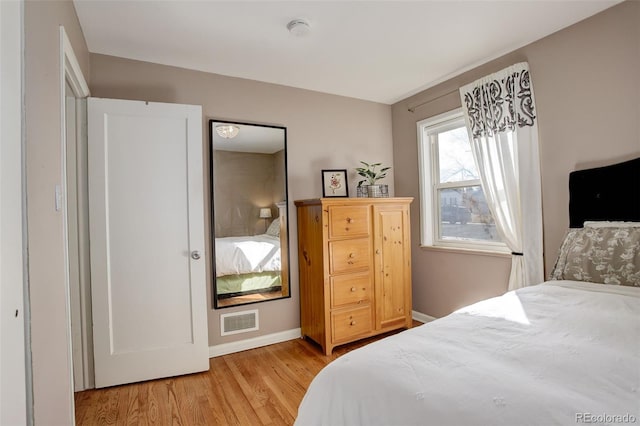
x,y
566,351
249,264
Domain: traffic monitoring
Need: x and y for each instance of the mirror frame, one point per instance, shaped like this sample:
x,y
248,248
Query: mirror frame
x,y
212,233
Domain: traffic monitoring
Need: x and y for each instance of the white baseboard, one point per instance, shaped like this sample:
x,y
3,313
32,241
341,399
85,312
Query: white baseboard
x,y
424,318
256,342
283,336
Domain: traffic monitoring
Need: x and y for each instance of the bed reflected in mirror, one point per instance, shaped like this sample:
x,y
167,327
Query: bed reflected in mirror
x,y
249,213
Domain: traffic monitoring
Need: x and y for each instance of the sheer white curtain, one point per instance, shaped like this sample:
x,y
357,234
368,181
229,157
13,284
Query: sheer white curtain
x,y
501,117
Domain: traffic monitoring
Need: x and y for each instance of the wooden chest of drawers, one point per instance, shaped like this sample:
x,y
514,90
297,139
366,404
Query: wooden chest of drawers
x,y
355,268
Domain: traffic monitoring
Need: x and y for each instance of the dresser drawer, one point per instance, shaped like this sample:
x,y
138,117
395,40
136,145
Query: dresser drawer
x,y
349,255
350,289
347,221
352,323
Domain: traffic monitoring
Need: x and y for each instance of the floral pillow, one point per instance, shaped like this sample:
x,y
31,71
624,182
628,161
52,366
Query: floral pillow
x,y
561,261
607,255
274,228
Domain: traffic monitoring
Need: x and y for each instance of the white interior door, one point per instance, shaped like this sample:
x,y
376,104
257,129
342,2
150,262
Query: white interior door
x,y
147,240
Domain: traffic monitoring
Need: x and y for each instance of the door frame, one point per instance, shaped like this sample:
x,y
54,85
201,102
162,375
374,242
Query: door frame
x,y
69,71
16,387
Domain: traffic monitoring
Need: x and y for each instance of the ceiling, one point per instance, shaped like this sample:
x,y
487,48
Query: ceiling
x,y
381,51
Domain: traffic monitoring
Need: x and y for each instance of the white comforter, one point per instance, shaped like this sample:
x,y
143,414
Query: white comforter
x,y
554,354
245,255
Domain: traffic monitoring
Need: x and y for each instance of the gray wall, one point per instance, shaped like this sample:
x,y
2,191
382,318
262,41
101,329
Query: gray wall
x,y
279,184
243,183
587,85
323,132
50,350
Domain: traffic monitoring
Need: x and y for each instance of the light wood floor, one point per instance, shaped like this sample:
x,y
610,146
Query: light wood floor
x,y
241,300
262,386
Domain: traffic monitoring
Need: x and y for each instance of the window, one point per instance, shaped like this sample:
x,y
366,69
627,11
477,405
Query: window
x,y
453,209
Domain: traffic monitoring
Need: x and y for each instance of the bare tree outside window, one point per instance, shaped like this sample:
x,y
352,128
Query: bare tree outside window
x,y
460,211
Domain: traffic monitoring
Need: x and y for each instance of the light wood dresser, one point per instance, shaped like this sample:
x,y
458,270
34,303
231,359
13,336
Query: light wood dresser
x,y
354,257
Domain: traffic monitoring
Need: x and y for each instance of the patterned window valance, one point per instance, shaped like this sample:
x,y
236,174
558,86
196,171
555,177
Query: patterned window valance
x,y
499,102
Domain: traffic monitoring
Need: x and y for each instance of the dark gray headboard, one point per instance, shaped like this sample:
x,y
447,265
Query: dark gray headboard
x,y
605,193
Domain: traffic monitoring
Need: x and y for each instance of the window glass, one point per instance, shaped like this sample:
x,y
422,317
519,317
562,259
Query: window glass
x,y
455,157
453,208
464,214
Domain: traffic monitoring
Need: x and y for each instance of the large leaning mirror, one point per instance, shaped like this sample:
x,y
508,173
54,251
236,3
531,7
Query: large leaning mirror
x,y
249,212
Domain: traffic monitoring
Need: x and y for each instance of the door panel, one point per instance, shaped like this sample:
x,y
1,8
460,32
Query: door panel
x,y
392,265
146,218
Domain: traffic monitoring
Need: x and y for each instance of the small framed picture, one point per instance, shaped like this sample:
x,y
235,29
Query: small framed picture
x,y
334,183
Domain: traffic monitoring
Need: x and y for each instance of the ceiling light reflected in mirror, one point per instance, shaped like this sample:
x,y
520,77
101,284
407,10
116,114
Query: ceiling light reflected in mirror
x,y
227,131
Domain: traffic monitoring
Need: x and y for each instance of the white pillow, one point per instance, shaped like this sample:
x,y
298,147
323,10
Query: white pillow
x,y
274,228
608,224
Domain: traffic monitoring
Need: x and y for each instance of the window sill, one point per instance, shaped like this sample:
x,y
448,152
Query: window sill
x,y
461,250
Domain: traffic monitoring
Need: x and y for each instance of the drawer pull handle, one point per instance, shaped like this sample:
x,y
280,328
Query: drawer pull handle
x,y
353,289
353,322
351,255
349,220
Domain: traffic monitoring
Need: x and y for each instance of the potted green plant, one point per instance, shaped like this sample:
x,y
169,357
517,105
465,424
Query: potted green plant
x,y
372,175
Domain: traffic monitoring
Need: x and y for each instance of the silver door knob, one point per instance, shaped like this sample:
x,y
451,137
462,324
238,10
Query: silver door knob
x,y
195,255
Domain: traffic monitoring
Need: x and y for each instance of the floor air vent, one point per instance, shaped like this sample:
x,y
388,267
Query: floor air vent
x,y
239,322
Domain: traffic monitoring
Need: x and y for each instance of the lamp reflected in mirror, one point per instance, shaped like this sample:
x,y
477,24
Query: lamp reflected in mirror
x,y
249,213
265,213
